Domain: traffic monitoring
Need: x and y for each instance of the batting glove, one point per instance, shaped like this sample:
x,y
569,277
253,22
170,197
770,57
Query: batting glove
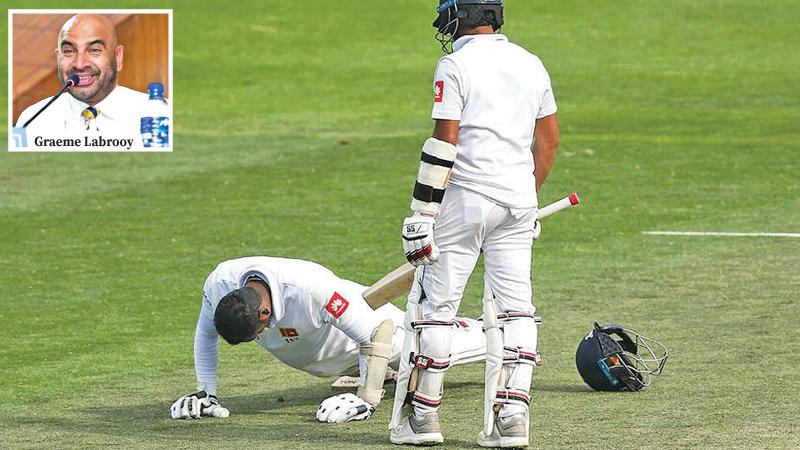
x,y
344,408
537,230
418,242
194,406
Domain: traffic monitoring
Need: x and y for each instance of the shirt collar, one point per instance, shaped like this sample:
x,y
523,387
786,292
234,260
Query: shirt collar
x,y
464,40
274,293
111,107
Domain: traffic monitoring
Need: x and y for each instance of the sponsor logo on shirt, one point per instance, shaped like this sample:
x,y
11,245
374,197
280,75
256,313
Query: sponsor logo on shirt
x,y
439,91
337,305
289,334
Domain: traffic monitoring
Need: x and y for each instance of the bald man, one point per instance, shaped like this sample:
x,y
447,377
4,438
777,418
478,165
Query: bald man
x,y
98,113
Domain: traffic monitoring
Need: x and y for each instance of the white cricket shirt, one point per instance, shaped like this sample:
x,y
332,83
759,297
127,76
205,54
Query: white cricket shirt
x,y
119,118
497,90
318,319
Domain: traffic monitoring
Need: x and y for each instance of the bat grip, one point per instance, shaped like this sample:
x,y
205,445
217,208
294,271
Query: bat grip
x,y
570,200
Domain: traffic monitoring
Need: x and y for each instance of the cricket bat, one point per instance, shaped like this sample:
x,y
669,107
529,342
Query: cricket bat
x,y
398,281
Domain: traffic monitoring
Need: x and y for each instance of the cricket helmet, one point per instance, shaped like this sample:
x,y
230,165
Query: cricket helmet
x,y
452,14
612,358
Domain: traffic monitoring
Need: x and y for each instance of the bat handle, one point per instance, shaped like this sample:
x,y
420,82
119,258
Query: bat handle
x,y
570,200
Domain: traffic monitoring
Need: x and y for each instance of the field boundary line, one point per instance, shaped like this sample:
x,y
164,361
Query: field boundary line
x,y
721,234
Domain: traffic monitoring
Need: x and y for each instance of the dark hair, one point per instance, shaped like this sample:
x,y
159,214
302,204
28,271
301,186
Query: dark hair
x,y
488,18
236,318
477,16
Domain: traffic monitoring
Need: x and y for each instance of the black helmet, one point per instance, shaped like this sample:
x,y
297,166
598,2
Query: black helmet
x,y
607,363
469,13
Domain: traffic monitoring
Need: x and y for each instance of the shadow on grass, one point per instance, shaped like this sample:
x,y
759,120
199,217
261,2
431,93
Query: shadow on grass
x,y
567,389
283,417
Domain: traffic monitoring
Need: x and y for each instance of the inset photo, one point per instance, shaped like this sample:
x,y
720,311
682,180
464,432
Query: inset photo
x,y
90,80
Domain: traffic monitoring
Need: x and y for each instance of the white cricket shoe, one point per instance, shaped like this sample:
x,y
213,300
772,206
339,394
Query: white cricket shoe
x,y
425,431
508,432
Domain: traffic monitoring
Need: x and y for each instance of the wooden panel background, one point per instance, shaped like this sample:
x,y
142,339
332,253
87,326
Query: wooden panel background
x,y
146,58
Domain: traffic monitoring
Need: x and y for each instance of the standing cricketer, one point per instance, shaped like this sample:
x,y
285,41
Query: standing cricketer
x,y
493,144
309,319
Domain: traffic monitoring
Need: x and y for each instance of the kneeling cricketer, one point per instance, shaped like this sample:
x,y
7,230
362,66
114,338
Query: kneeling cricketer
x,y
309,319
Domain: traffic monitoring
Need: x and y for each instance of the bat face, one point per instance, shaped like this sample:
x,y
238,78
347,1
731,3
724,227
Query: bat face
x,y
395,284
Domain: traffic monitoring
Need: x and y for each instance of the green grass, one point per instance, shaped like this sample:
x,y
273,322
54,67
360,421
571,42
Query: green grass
x,y
298,128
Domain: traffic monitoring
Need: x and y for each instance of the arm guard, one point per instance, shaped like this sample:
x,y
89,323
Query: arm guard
x,y
435,164
377,351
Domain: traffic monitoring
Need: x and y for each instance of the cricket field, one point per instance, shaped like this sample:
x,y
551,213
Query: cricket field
x,y
298,127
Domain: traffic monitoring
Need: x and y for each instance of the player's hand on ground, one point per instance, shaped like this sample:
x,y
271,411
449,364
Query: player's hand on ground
x,y
418,242
196,405
344,408
537,230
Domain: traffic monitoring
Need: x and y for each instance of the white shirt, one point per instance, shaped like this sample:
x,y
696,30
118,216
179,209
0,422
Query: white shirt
x,y
118,119
496,90
318,319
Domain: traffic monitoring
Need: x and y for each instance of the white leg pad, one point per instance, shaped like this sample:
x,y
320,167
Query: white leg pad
x,y
410,346
494,361
520,338
377,353
431,363
468,343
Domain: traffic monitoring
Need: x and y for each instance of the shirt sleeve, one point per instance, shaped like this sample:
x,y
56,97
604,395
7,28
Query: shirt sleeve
x,y
547,104
346,309
206,350
448,92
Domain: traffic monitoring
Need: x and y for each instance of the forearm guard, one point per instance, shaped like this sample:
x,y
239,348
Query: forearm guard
x,y
435,164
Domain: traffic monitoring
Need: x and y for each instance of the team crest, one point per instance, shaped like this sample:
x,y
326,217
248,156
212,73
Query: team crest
x,y
439,91
337,305
289,334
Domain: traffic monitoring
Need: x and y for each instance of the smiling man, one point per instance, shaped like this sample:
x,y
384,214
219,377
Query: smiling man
x,y
97,111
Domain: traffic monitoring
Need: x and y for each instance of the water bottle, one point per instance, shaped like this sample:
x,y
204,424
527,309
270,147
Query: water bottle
x,y
155,118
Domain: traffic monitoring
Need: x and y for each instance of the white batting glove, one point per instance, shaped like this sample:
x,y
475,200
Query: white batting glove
x,y
196,405
537,230
418,242
344,408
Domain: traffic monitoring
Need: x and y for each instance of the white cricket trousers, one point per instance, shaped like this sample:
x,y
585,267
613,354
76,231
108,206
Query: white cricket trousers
x,y
466,224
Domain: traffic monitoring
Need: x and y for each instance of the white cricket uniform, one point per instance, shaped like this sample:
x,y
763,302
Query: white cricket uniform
x,y
318,319
496,90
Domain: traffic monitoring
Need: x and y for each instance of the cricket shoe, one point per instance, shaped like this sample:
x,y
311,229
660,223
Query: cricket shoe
x,y
425,431
348,382
508,432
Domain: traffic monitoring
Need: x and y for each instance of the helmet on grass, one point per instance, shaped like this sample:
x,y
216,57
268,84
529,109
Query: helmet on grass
x,y
612,358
